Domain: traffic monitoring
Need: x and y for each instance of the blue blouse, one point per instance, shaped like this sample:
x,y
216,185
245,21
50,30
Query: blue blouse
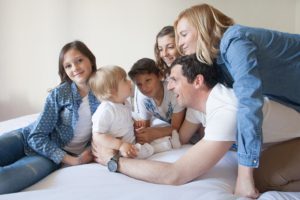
x,y
259,62
55,126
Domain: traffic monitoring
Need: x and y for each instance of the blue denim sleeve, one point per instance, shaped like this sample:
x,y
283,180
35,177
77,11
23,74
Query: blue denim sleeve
x,y
39,138
241,61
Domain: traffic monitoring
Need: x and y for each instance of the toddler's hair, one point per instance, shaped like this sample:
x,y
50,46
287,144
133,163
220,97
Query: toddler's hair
x,y
104,82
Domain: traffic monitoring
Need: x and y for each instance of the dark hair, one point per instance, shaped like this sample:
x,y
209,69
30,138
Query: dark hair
x,y
80,46
191,67
167,30
143,66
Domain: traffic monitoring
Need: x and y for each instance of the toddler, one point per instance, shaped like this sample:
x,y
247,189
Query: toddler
x,y
112,122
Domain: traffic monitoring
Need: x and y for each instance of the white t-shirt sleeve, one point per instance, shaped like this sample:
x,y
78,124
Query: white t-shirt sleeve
x,y
102,119
195,116
221,125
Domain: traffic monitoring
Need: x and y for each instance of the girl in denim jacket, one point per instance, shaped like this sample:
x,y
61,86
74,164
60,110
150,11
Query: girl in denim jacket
x,y
62,132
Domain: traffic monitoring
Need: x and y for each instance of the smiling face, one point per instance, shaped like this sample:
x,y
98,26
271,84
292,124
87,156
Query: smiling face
x,y
167,49
180,86
149,84
77,66
187,37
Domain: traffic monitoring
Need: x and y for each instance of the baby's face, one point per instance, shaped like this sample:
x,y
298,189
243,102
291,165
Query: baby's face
x,y
124,89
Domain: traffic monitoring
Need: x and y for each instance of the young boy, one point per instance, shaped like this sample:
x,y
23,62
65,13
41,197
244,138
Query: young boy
x,y
152,100
112,121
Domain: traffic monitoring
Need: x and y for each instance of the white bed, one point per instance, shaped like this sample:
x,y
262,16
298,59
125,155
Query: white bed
x,y
93,181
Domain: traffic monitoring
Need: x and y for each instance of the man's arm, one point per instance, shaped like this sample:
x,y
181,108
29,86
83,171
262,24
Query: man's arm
x,y
195,162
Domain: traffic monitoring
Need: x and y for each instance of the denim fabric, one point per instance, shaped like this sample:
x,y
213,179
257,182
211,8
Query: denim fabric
x,y
54,128
18,171
259,63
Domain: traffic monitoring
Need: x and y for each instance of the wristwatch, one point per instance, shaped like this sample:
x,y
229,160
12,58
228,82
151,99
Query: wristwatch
x,y
113,163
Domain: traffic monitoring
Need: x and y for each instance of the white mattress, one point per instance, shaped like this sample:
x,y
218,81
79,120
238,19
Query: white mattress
x,y
93,181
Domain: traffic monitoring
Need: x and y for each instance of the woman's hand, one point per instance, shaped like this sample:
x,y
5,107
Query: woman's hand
x,y
128,150
86,156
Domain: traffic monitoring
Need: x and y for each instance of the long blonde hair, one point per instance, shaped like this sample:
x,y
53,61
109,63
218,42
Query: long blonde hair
x,y
210,24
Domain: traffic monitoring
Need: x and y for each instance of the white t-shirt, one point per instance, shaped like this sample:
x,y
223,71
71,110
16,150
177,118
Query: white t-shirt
x,y
280,123
83,130
146,107
114,119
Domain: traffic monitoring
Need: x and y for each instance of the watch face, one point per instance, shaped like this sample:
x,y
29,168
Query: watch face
x,y
112,166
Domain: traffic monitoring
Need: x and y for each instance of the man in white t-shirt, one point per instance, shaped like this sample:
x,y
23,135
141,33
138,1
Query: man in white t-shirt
x,y
196,86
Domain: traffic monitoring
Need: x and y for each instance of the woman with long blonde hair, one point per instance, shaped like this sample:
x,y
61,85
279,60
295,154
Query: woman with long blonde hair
x,y
257,63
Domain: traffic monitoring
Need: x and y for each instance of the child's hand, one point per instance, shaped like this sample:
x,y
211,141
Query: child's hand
x,y
140,124
143,135
128,150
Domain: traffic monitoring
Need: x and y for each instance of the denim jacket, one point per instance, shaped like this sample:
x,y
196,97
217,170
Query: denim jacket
x,y
259,63
55,126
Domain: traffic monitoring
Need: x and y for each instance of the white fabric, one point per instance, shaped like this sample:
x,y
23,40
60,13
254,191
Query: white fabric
x,y
94,182
114,119
164,112
83,130
221,109
280,123
16,123
195,116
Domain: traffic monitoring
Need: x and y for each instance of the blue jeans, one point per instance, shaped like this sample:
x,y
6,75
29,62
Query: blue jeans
x,y
17,170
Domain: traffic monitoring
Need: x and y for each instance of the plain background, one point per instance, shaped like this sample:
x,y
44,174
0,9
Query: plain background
x,y
32,32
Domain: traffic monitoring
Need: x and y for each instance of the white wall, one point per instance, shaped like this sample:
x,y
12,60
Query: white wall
x,y
297,16
32,33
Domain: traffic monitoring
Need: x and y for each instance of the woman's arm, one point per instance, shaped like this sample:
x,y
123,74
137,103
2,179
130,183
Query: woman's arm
x,y
85,157
39,138
242,63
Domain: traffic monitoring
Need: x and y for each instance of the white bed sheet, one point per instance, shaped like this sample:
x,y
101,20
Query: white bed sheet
x,y
93,181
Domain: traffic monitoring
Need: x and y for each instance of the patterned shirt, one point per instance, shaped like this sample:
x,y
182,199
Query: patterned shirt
x,y
146,108
55,126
